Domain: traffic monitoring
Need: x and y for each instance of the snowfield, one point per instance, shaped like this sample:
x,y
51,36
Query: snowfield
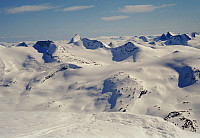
x,y
131,86
53,124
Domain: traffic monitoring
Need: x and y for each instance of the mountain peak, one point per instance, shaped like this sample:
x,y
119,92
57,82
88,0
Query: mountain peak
x,y
163,37
22,44
168,36
75,38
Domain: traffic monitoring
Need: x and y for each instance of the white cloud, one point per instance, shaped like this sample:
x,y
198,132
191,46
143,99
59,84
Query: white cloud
x,y
166,5
77,8
28,8
112,18
137,8
142,8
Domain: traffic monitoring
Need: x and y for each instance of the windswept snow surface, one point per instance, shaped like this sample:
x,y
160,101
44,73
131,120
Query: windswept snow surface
x,y
53,124
130,86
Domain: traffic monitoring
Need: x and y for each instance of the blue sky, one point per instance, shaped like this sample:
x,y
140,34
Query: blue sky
x,y
62,19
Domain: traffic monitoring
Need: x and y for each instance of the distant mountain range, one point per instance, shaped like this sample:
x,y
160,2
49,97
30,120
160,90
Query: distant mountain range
x,y
145,75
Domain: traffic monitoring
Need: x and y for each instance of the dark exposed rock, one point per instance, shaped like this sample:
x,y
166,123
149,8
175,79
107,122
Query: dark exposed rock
x,y
22,44
92,44
123,52
163,37
143,38
178,40
47,48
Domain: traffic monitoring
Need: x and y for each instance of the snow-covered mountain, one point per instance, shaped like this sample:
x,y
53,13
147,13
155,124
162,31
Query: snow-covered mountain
x,y
123,52
150,82
75,38
22,44
178,40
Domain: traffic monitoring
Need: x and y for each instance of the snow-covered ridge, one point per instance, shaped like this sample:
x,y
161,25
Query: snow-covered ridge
x,y
141,75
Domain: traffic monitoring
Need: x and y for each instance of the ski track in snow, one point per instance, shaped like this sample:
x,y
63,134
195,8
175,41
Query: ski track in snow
x,y
87,125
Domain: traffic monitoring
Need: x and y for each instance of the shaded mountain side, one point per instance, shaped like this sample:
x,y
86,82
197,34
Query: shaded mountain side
x,y
47,48
178,40
22,44
75,39
187,75
124,89
123,52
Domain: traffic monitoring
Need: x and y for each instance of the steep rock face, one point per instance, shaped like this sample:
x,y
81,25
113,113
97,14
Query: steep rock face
x,y
42,46
47,48
168,36
165,37
76,38
123,52
187,75
92,44
178,40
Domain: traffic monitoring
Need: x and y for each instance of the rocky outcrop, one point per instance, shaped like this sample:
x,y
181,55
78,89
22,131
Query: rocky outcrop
x,y
47,48
143,38
92,44
178,40
23,44
123,52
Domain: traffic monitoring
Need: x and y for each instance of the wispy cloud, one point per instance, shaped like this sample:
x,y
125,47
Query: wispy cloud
x,y
142,8
28,8
113,18
78,8
166,5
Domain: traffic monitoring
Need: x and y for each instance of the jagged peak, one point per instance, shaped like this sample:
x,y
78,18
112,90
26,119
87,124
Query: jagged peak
x,y
75,38
169,35
163,37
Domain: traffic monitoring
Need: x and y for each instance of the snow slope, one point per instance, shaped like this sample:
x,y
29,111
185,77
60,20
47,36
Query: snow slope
x,y
141,77
87,125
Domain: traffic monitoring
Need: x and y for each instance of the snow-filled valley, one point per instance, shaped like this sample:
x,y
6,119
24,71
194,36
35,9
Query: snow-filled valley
x,y
131,86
